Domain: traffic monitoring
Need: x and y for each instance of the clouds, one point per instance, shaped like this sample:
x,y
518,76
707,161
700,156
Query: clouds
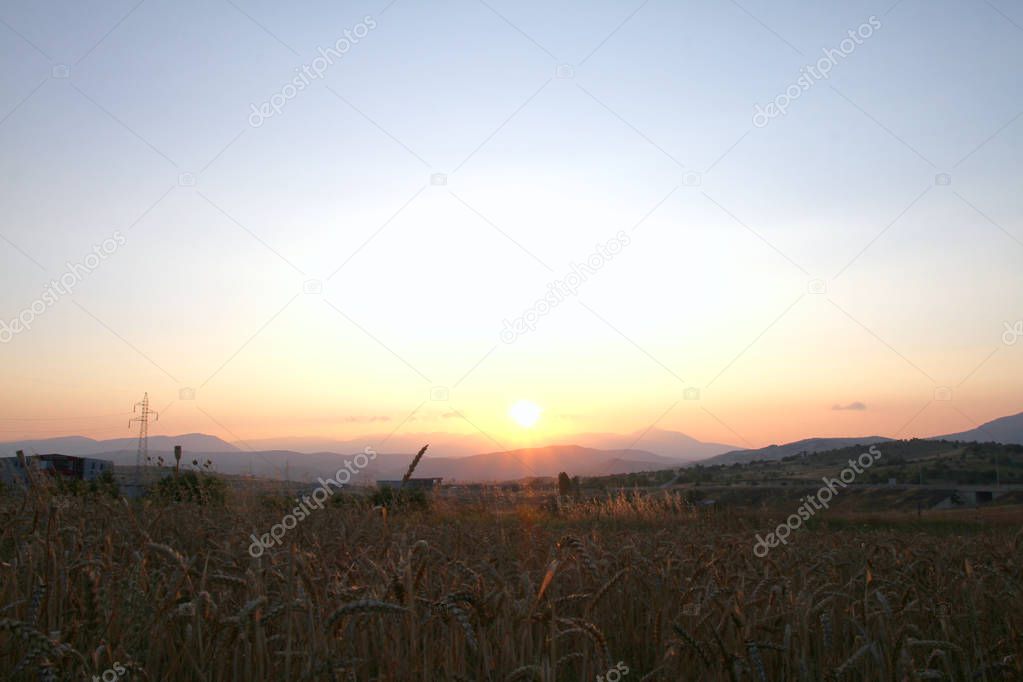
x,y
855,406
433,417
365,420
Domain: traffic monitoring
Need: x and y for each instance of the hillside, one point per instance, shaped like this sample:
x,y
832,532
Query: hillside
x,y
672,444
456,456
494,466
545,461
906,462
776,452
1002,430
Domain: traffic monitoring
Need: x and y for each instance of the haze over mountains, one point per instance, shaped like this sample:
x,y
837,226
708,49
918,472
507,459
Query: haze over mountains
x,y
84,447
466,457
450,444
544,461
671,444
297,465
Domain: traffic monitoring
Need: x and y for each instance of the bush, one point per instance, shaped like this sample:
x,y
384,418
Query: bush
x,y
105,484
191,487
274,502
343,500
408,498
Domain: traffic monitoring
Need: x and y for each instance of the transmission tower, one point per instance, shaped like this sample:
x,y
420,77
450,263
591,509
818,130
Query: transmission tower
x,y
144,415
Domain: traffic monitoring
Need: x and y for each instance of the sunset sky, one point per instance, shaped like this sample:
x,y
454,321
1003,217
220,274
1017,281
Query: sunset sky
x,y
347,266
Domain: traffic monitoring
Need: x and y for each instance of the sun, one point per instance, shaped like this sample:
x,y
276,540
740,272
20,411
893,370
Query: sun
x,y
525,413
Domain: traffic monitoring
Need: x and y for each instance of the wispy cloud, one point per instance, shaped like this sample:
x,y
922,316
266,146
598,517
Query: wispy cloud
x,y
855,405
365,420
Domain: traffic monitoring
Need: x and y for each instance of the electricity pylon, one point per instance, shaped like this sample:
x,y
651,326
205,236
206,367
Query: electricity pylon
x,y
144,413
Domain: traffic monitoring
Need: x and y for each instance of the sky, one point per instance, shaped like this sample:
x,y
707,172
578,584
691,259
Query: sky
x,y
728,219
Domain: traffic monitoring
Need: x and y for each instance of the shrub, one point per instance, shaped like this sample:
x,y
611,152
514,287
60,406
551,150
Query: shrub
x,y
408,498
191,487
106,485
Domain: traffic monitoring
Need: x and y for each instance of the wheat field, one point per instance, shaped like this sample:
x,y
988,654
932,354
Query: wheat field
x,y
511,591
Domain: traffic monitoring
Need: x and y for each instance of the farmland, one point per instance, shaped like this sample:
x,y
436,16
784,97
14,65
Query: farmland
x,y
501,589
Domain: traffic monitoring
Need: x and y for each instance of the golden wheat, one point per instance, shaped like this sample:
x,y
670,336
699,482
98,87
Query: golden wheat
x,y
169,592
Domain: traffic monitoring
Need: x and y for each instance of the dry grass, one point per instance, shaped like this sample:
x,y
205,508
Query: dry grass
x,y
171,593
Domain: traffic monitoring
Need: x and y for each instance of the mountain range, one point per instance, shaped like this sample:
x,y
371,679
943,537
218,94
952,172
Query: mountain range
x,y
670,444
543,461
1001,430
807,445
458,457
494,466
85,447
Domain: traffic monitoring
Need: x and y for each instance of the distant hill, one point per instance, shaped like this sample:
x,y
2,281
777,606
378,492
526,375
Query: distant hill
x,y
1007,430
545,461
494,466
454,456
937,464
672,444
447,444
84,447
1002,430
807,445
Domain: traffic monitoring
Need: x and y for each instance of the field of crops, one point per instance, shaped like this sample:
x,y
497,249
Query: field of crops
x,y
646,589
